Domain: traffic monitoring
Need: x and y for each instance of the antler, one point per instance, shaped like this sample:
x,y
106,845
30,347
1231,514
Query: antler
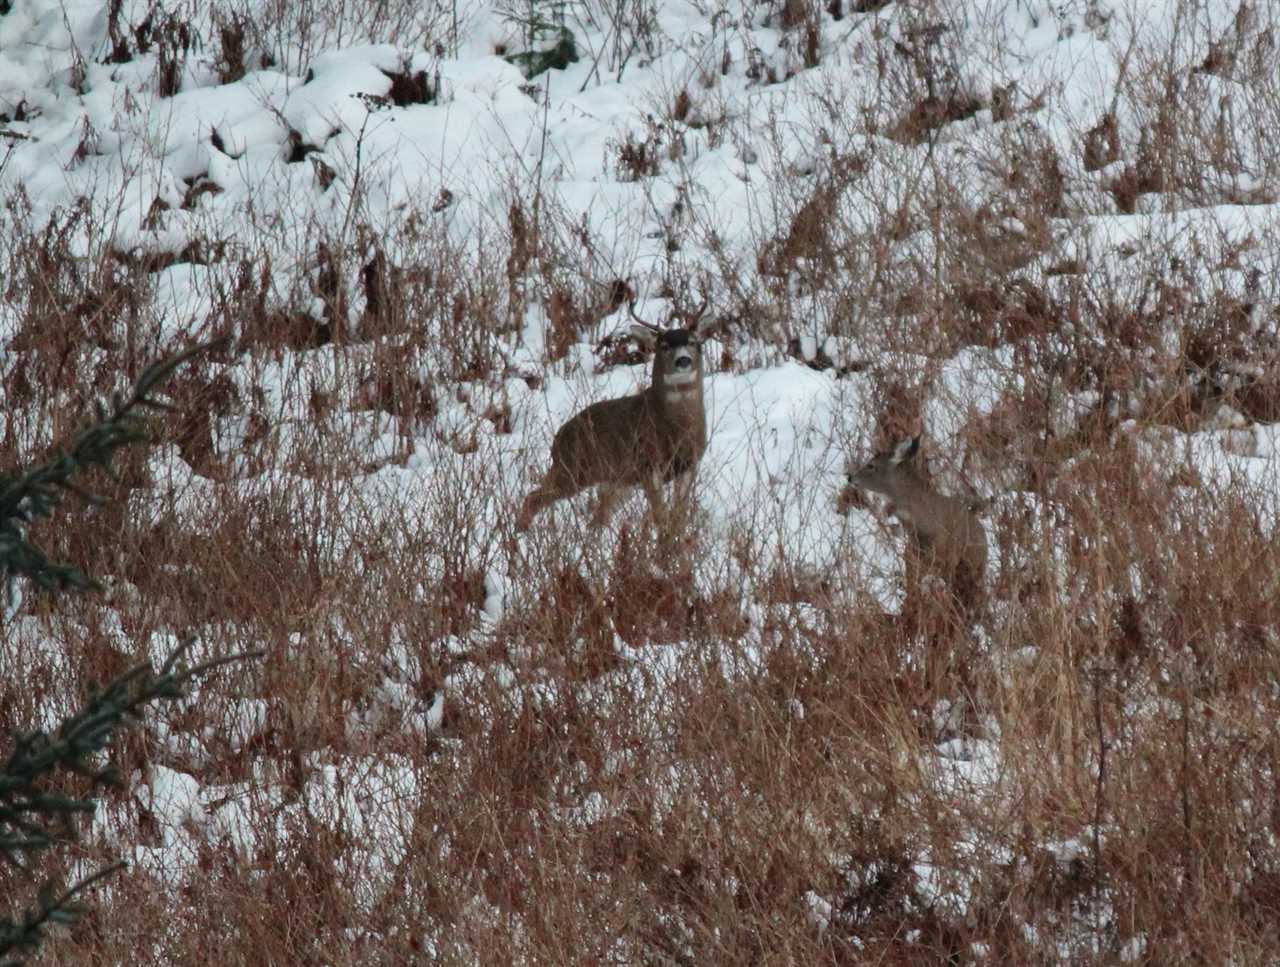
x,y
631,308
692,319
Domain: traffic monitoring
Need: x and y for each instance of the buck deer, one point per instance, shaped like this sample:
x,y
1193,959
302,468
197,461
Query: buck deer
x,y
947,537
646,440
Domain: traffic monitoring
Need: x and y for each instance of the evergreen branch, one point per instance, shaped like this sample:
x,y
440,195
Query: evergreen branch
x,y
28,813
25,497
55,907
25,811
78,739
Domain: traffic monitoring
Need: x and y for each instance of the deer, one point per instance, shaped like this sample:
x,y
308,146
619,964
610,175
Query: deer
x,y
647,439
944,534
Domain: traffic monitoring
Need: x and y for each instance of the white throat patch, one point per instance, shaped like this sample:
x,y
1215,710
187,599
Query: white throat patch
x,y
679,395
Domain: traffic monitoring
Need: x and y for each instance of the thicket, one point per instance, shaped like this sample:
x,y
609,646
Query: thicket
x,y
49,783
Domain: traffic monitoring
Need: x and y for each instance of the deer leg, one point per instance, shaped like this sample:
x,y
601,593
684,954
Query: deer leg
x,y
653,492
913,605
555,486
670,517
534,503
606,502
684,500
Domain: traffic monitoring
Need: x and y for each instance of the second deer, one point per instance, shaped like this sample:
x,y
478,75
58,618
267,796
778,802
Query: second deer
x,y
645,440
948,539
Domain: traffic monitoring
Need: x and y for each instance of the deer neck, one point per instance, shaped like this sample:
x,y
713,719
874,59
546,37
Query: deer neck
x,y
906,489
679,404
919,505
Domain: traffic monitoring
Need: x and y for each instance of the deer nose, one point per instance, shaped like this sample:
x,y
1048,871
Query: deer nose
x,y
684,361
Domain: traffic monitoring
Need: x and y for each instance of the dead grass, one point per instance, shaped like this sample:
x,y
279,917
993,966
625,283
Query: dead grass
x,y
783,778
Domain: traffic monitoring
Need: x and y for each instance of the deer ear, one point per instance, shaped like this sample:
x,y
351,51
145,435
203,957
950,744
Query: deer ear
x,y
704,326
643,334
905,449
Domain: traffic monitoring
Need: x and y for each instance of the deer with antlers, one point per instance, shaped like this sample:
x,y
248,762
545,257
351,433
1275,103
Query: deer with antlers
x,y
645,440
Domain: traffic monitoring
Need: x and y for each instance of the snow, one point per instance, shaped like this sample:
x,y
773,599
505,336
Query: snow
x,y
781,432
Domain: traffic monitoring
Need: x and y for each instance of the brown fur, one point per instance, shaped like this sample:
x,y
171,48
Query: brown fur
x,y
645,440
946,537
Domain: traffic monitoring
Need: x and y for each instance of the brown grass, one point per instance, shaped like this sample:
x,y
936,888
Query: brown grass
x,y
692,748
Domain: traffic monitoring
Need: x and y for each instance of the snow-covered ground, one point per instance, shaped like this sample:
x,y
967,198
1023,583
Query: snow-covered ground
x,y
672,160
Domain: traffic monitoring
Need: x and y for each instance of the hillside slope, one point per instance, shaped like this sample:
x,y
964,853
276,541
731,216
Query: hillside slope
x,y
1045,236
